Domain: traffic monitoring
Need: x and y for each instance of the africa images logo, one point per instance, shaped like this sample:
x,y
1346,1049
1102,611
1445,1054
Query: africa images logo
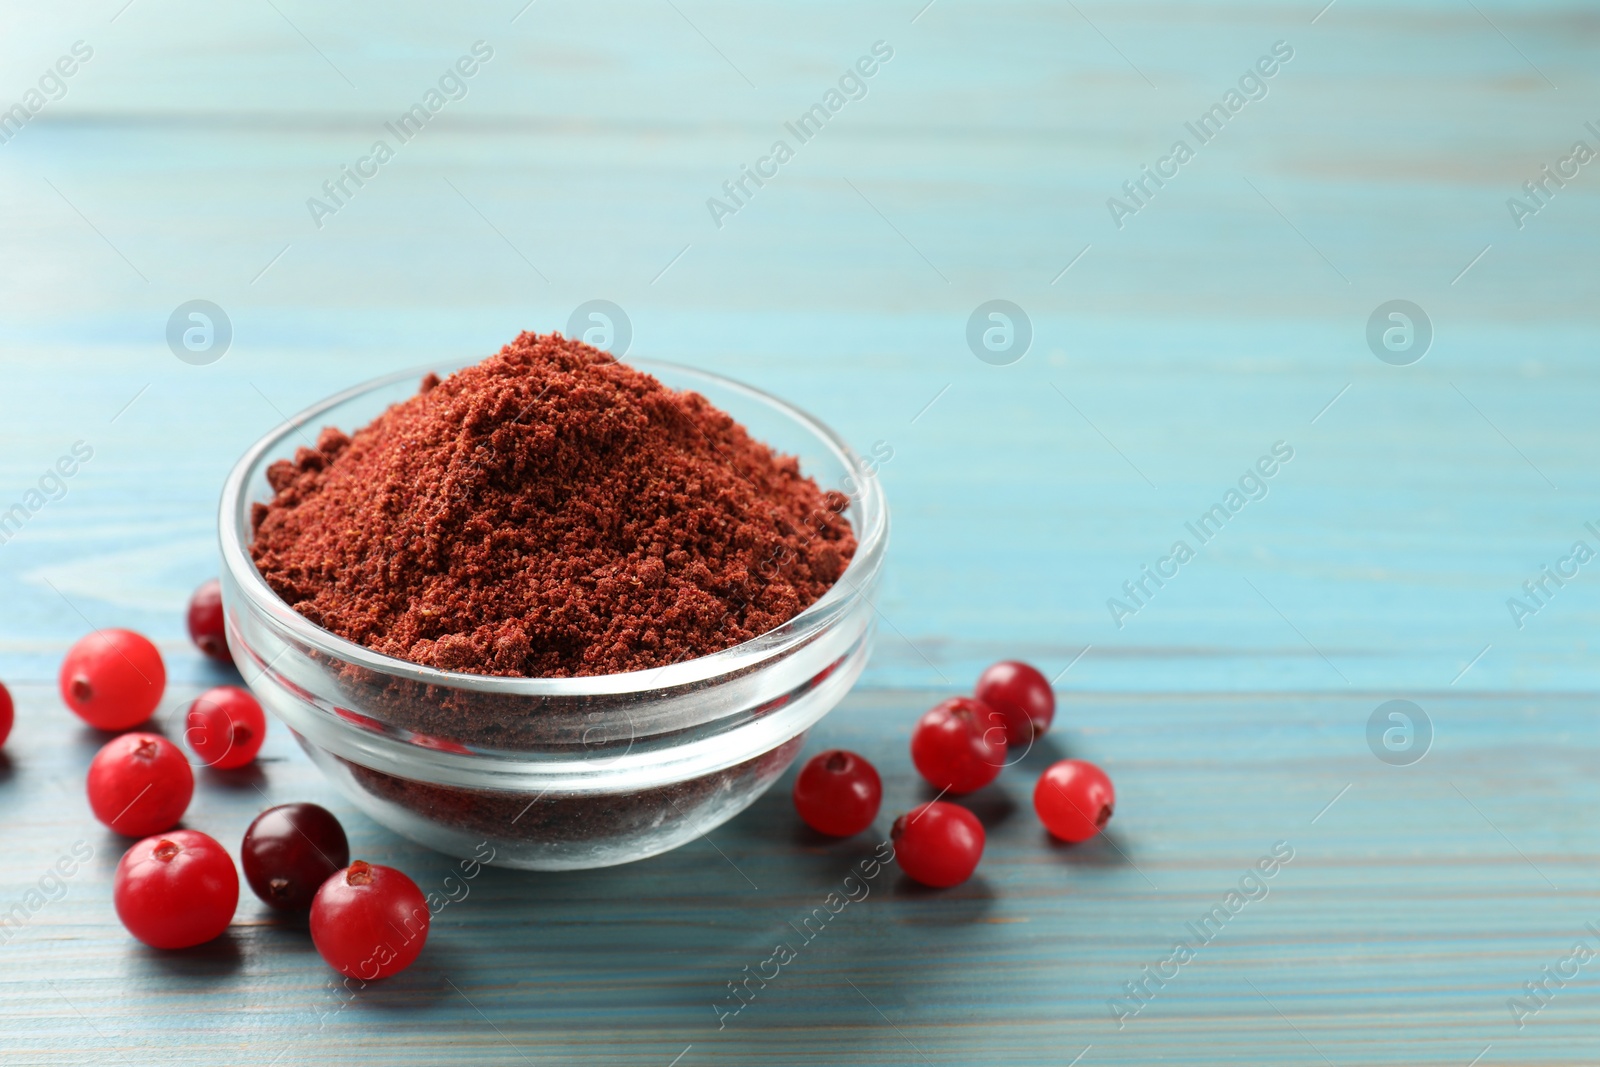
x,y
1252,85
852,85
451,85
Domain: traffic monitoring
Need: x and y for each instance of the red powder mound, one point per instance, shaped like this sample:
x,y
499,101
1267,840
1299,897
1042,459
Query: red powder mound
x,y
548,512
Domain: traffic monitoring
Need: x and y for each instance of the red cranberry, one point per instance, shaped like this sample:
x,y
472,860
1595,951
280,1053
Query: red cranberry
x,y
139,784
440,744
113,679
176,890
838,793
1074,799
1023,698
938,844
8,713
289,851
226,727
959,745
206,628
355,718
369,921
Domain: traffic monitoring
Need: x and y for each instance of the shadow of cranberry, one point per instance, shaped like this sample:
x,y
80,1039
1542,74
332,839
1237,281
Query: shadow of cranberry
x,y
423,984
293,927
993,804
220,957
246,779
832,859
803,836
1042,753
108,850
969,902
773,818
88,740
1106,850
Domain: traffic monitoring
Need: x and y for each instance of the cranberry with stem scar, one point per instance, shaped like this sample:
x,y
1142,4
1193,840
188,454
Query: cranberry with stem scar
x,y
1074,799
959,745
225,727
369,922
289,851
1022,697
206,627
838,793
139,784
938,844
175,890
113,679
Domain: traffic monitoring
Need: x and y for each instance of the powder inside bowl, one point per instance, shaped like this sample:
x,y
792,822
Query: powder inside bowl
x,y
548,512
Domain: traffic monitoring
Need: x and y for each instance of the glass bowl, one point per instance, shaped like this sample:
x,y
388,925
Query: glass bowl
x,y
556,773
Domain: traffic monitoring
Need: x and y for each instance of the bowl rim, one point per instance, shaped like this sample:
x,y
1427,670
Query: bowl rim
x,y
871,532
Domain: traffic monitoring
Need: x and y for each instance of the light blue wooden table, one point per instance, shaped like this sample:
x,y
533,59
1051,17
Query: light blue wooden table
x,y
1228,312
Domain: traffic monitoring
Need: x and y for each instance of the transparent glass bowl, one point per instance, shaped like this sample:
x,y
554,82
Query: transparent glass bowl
x,y
556,773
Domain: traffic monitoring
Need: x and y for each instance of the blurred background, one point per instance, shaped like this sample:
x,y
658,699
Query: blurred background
x,y
1171,346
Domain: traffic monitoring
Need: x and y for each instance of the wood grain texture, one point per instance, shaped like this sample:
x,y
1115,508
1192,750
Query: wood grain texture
x,y
1413,907
1226,315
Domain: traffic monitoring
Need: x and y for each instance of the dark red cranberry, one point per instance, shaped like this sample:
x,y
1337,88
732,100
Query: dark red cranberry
x,y
289,851
206,628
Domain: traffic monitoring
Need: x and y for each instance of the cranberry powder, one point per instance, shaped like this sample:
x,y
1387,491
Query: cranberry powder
x,y
548,512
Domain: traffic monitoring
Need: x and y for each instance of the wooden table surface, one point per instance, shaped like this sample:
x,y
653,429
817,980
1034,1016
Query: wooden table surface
x,y
1226,315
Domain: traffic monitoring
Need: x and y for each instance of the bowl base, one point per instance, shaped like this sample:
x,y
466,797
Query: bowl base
x,y
527,831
